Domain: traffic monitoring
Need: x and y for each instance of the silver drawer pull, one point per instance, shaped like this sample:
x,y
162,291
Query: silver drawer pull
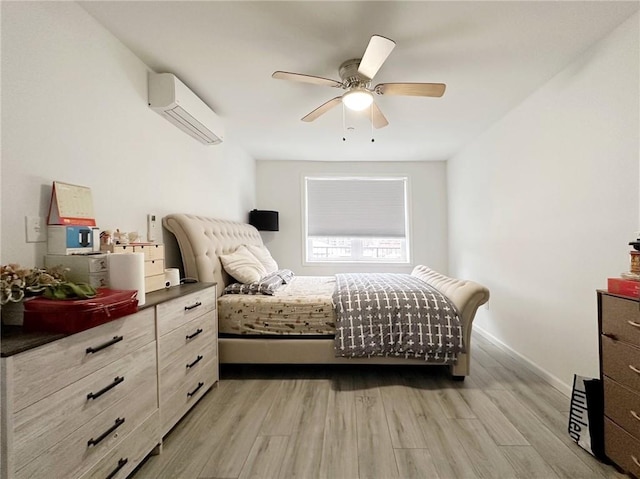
x,y
634,369
633,323
635,461
634,414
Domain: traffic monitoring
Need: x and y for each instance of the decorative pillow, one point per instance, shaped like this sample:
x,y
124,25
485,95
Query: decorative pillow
x,y
267,285
286,275
243,266
264,256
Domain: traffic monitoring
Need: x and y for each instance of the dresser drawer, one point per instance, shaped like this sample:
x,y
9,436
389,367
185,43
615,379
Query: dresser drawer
x,y
154,267
621,362
42,371
621,448
128,455
188,394
154,283
177,373
42,424
622,406
151,251
173,314
82,449
194,334
97,280
621,319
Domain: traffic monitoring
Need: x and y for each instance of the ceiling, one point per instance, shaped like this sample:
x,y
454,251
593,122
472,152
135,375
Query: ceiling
x,y
491,55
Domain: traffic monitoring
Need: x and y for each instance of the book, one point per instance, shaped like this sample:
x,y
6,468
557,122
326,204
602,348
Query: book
x,y
624,287
71,205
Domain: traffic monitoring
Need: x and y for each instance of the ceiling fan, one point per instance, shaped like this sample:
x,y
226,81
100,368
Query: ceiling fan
x,y
356,75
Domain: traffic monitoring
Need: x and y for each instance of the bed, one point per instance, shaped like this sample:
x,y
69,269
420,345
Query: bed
x,y
298,323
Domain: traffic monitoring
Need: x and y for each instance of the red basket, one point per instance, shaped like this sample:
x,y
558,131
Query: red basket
x,y
74,315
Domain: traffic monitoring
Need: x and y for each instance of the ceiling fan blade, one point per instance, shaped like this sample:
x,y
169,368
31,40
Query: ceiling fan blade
x,y
306,79
377,118
411,89
374,56
325,107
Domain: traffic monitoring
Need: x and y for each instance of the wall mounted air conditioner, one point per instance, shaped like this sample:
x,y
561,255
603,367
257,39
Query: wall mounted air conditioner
x,y
173,100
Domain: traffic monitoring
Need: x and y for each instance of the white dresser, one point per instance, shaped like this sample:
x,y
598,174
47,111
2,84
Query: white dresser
x,y
94,404
187,353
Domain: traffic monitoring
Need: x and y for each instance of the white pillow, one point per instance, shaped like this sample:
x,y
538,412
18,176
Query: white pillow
x,y
263,255
243,266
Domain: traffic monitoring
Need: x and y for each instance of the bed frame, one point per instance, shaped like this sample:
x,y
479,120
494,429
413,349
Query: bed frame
x,y
202,240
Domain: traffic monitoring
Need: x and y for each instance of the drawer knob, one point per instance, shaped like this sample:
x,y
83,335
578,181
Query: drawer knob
x,y
633,323
196,361
610,336
121,463
94,442
193,393
117,380
634,414
116,339
191,336
193,306
634,369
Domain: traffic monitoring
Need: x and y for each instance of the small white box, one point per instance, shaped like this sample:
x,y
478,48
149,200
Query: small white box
x,y
91,268
79,263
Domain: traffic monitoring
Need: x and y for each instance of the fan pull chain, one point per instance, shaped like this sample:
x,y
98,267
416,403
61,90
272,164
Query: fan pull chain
x,y
371,113
344,125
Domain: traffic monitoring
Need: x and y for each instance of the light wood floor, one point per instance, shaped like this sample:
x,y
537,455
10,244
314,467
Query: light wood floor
x,y
348,422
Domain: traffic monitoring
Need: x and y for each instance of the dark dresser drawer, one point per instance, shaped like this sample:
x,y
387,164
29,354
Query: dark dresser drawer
x,y
622,406
622,448
621,361
621,319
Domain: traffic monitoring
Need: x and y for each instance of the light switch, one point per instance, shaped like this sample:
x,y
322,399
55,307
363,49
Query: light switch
x,y
36,229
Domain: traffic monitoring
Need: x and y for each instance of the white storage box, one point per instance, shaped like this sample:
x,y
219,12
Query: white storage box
x,y
91,268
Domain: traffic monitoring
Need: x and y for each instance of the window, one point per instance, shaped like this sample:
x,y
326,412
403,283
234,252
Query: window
x,y
356,220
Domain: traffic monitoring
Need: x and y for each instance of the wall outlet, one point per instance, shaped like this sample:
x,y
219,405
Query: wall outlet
x,y
152,232
36,229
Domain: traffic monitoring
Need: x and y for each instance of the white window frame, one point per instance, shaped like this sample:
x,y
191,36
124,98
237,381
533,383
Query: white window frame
x,y
357,242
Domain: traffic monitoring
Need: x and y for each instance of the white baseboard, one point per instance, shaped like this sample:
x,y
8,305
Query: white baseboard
x,y
561,386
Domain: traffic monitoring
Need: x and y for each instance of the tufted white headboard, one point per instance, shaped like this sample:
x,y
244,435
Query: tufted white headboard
x,y
202,240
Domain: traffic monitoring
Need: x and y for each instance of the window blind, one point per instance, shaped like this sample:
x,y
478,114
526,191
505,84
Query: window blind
x,y
353,207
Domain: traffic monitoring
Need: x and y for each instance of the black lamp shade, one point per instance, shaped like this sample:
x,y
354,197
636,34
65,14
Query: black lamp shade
x,y
264,220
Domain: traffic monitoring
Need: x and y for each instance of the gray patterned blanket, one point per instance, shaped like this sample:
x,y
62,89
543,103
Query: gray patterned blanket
x,y
384,314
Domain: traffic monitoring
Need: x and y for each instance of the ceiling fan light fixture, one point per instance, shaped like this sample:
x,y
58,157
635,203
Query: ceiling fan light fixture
x,y
357,99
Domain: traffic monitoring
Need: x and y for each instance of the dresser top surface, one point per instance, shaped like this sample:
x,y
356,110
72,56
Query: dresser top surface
x,y
15,340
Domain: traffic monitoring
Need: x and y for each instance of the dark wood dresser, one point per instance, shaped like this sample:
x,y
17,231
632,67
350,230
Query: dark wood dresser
x,y
619,324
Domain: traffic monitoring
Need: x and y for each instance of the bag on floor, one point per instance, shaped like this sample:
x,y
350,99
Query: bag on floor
x,y
586,417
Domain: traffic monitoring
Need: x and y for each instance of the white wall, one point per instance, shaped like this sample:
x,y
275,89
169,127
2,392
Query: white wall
x,y
279,186
74,109
542,206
